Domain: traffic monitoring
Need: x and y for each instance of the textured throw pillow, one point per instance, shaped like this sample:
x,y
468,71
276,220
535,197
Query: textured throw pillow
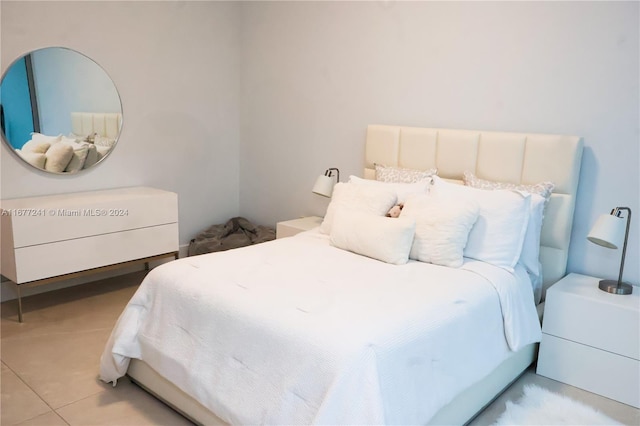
x,y
362,198
543,189
402,190
442,228
498,234
58,157
402,175
378,237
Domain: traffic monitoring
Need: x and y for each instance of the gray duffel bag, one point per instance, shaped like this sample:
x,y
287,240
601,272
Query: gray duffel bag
x,y
237,232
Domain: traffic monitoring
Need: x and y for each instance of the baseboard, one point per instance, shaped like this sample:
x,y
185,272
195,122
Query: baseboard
x,y
8,289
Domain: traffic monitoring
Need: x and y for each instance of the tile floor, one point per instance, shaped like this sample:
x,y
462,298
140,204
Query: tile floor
x,y
50,365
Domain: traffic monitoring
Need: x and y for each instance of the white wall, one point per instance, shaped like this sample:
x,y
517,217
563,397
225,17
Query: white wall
x,y
176,68
315,74
239,106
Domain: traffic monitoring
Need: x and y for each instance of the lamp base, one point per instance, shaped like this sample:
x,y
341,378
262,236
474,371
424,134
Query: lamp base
x,y
611,286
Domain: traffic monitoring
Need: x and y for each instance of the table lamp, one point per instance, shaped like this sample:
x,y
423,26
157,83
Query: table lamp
x,y
609,231
324,183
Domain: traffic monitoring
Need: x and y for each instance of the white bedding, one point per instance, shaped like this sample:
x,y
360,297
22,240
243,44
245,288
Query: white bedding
x,y
295,331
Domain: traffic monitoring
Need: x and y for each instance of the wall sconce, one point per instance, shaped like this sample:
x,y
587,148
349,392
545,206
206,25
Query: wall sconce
x,y
609,231
324,183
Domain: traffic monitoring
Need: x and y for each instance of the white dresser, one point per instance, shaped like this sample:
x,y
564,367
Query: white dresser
x,y
591,339
48,238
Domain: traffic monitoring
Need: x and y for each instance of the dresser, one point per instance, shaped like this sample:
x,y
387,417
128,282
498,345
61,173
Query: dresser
x,y
55,237
591,339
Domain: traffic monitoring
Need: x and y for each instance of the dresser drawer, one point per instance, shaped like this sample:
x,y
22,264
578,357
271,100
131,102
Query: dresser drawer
x,y
54,218
578,311
607,374
63,257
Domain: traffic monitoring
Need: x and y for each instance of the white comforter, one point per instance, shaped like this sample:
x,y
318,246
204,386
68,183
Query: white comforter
x,y
295,331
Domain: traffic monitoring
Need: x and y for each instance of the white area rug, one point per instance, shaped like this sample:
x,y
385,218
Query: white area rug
x,y
538,406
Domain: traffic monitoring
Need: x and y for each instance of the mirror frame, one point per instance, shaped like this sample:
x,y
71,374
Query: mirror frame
x,y
98,73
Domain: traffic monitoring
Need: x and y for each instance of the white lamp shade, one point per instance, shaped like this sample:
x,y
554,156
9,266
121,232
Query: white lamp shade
x,y
608,231
323,186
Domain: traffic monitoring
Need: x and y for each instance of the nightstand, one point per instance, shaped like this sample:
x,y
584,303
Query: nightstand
x,y
591,339
290,228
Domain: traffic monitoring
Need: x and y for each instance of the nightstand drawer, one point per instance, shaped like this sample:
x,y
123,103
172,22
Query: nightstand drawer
x,y
578,311
594,370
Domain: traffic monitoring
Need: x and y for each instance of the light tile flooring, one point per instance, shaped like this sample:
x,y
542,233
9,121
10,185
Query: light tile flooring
x,y
50,365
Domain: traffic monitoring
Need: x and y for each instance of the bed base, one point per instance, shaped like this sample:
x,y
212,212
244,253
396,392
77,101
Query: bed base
x,y
460,411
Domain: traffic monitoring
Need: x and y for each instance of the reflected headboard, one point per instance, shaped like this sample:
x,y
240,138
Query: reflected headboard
x,y
105,124
522,158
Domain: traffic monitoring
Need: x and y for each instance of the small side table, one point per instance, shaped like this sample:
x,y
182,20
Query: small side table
x,y
292,227
591,339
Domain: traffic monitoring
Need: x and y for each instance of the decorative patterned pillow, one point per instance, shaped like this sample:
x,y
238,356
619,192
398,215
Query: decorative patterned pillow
x,y
543,188
402,175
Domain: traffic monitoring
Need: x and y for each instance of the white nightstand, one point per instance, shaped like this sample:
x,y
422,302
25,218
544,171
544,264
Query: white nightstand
x,y
591,339
290,228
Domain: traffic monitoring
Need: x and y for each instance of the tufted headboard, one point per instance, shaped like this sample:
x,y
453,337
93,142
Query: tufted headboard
x,y
525,158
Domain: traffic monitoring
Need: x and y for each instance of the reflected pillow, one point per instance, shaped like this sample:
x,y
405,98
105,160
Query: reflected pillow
x,y
378,237
80,152
92,156
361,198
33,158
58,157
40,138
442,228
402,175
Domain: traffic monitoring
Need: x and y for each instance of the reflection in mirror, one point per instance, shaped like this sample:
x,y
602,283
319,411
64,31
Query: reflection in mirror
x,y
59,110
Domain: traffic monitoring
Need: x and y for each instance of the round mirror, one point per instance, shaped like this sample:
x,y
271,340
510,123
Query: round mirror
x,y
59,110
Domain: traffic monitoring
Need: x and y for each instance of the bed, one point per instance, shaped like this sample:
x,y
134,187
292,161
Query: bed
x,y
309,330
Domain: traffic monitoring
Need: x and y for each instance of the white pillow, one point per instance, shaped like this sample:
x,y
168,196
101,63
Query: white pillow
x,y
540,194
363,198
378,237
58,157
442,228
402,175
530,256
498,234
402,190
